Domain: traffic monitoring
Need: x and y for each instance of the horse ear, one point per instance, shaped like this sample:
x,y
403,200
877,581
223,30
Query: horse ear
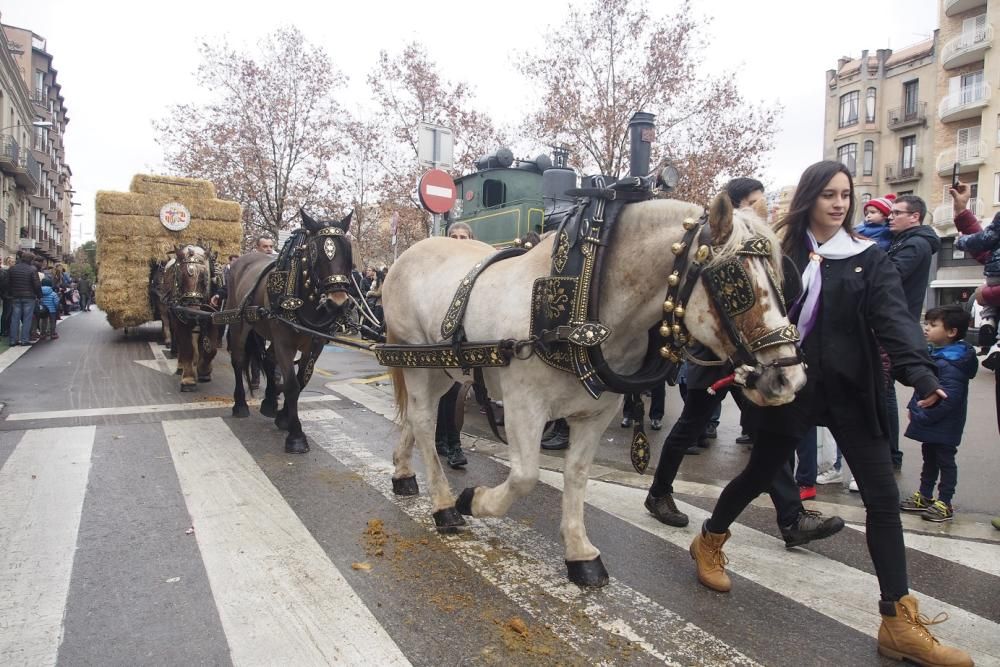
x,y
720,218
307,222
345,224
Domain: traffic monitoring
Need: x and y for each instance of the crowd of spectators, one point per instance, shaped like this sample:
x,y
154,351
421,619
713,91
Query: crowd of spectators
x,y
36,295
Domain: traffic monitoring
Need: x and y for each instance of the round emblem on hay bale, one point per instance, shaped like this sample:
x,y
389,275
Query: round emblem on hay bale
x,y
175,216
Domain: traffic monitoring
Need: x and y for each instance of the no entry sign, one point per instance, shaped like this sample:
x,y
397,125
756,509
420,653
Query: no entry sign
x,y
436,191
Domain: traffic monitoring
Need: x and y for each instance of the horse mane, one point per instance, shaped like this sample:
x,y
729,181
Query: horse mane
x,y
747,225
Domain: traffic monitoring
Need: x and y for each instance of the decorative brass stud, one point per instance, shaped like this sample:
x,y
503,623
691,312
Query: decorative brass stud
x,y
678,248
305,272
702,254
676,329
674,279
689,223
668,305
666,353
679,312
665,330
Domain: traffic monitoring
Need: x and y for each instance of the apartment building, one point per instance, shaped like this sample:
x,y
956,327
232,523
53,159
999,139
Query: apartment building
x,y
920,113
18,171
50,213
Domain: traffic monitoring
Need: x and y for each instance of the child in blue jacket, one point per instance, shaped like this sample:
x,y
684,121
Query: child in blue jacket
x,y
876,224
939,428
50,312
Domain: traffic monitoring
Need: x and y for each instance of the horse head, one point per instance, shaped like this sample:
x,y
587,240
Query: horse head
x,y
327,259
738,309
192,274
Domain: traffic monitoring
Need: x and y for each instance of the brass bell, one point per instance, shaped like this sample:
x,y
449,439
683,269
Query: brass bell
x,y
665,330
668,305
666,353
305,272
702,254
678,248
676,329
674,279
689,223
679,312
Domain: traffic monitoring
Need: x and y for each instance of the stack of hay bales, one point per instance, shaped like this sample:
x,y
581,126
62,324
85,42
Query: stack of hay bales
x,y
130,238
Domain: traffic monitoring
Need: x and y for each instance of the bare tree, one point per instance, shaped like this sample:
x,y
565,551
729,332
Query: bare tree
x,y
622,61
268,131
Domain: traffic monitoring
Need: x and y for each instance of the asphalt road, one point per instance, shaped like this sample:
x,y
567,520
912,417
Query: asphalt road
x,y
139,525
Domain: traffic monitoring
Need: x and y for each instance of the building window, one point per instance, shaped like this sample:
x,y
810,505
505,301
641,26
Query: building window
x,y
967,143
907,155
493,193
865,198
869,158
870,105
996,189
910,99
849,109
848,155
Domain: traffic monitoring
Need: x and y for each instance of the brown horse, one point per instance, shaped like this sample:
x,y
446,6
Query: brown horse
x,y
312,273
197,338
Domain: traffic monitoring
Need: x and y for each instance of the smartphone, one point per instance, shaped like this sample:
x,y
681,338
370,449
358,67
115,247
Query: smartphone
x,y
954,175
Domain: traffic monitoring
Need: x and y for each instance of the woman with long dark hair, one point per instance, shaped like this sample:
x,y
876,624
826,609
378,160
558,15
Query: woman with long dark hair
x,y
851,302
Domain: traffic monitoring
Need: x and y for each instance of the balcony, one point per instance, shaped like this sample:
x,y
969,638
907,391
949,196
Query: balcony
x,y
10,154
897,172
965,103
969,47
943,217
954,7
28,171
968,156
901,117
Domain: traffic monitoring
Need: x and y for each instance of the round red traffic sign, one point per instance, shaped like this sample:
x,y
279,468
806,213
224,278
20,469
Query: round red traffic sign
x,y
436,191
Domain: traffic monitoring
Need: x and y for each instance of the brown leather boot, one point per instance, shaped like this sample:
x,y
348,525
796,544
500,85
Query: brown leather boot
x,y
904,636
706,550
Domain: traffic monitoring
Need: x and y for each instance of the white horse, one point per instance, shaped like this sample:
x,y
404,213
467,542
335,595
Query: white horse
x,y
420,287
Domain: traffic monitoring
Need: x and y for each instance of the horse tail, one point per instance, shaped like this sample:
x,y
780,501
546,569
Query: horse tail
x,y
398,384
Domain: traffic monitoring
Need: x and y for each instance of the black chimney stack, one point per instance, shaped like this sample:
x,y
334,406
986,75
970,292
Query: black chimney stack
x,y
641,134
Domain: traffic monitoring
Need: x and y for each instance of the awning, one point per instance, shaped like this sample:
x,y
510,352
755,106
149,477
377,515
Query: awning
x,y
956,282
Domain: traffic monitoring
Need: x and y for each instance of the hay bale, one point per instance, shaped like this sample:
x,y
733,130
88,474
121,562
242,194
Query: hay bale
x,y
130,238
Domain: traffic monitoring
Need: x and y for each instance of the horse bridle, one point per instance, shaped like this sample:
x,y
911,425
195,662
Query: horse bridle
x,y
322,241
190,261
729,287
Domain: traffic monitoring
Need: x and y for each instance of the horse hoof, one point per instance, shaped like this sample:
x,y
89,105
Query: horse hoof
x,y
448,520
189,387
241,411
405,486
464,502
269,408
296,444
281,421
204,378
169,355
179,371
588,573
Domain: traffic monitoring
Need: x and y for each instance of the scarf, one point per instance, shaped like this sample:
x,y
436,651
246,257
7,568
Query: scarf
x,y
841,246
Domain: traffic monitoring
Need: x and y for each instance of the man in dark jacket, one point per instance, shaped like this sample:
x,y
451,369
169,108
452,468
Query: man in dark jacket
x,y
911,250
86,289
25,288
913,245
8,303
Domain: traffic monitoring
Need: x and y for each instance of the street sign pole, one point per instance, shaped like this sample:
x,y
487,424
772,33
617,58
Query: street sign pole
x,y
435,149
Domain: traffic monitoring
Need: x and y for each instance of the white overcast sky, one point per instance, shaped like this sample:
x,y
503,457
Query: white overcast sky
x,y
122,63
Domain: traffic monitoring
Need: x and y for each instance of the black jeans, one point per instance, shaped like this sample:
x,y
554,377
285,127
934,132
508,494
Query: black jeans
x,y
939,460
871,463
657,402
8,309
698,408
446,432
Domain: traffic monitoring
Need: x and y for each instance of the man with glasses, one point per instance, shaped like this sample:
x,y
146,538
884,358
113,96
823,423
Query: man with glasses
x,y
913,245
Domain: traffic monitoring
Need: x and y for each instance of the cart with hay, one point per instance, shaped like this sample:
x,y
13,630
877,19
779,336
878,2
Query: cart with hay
x,y
138,229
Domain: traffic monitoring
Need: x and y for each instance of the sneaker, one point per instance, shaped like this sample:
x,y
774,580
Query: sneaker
x,y
938,512
853,486
987,335
744,439
711,432
831,476
626,422
916,503
811,525
992,362
807,492
664,509
656,424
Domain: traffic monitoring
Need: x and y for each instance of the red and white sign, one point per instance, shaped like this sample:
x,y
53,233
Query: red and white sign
x,y
436,191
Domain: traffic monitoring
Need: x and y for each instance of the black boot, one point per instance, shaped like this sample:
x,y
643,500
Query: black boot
x,y
456,458
441,446
665,510
810,525
556,436
987,336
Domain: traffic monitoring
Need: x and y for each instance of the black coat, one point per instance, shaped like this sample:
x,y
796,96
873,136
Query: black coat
x,y
911,252
862,307
24,283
